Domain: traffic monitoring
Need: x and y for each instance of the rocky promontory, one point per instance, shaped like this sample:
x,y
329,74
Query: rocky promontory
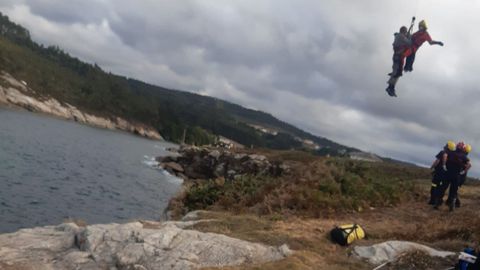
x,y
192,163
17,93
137,245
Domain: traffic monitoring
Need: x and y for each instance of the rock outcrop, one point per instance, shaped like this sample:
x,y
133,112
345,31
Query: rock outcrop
x,y
211,163
16,93
391,250
136,245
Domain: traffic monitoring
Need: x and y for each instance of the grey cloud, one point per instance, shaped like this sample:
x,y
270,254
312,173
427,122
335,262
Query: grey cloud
x,y
73,11
320,65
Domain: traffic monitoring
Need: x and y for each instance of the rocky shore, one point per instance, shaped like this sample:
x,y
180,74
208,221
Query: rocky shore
x,y
197,163
17,93
137,245
149,244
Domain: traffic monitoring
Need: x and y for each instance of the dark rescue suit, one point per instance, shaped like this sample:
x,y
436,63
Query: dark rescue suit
x,y
456,162
439,177
461,180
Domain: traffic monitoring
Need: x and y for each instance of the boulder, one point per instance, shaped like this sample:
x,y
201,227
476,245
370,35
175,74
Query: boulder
x,y
174,166
390,250
135,245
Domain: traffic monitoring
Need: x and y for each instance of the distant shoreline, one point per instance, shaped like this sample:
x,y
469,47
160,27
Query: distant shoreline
x,y
16,94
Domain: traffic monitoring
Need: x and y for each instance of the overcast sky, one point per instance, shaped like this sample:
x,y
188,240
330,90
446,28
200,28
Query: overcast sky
x,y
319,65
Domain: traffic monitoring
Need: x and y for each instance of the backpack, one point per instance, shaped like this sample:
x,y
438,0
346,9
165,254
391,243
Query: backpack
x,y
346,234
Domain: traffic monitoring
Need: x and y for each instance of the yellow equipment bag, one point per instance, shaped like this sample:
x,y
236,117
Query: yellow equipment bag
x,y
346,234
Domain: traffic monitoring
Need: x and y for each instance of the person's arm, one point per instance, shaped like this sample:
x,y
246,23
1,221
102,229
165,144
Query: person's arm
x,y
444,161
468,166
433,42
435,163
406,40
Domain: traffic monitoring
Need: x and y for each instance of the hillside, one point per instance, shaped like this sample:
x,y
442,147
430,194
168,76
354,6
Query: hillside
x,y
52,72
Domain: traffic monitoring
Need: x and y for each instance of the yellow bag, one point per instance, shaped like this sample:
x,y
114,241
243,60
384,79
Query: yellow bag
x,y
346,234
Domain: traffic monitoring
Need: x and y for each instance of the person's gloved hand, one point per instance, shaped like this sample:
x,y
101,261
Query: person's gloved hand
x,y
444,167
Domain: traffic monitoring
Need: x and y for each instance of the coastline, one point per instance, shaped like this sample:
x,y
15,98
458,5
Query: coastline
x,y
17,94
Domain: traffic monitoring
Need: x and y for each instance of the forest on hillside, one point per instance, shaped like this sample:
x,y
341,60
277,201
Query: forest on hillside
x,y
52,72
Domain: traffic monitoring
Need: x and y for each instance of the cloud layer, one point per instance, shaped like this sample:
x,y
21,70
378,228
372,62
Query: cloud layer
x,y
320,65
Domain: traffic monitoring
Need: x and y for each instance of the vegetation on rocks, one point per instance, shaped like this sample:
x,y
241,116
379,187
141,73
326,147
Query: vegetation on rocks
x,y
312,187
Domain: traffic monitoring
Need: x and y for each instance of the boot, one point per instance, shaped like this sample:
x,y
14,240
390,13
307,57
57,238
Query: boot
x,y
457,203
391,90
451,206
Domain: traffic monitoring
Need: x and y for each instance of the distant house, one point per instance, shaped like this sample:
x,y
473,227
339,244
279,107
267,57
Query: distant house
x,y
365,156
310,144
229,144
264,129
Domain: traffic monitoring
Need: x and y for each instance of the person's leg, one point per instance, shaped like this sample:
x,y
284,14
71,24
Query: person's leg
x,y
397,71
457,202
406,53
440,192
433,190
461,181
409,62
391,86
452,193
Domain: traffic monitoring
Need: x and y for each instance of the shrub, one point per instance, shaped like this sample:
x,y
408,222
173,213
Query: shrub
x,y
322,186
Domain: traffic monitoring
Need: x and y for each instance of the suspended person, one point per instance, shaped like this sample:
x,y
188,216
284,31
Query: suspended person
x,y
418,38
455,164
401,43
438,172
463,176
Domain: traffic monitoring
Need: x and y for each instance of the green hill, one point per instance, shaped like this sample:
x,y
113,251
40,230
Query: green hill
x,y
51,72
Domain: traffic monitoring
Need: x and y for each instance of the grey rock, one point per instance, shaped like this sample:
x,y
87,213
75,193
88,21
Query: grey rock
x,y
257,157
390,250
219,170
214,154
193,215
240,156
173,166
135,245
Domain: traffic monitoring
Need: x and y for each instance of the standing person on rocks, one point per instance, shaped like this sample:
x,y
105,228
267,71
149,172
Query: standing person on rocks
x,y
456,164
438,172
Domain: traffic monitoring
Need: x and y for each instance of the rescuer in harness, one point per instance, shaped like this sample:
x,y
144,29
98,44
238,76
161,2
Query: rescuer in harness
x,y
406,46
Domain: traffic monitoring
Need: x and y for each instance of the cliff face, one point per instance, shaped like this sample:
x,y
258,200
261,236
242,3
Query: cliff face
x,y
17,93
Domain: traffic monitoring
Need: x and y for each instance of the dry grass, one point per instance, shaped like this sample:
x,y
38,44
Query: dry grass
x,y
300,209
412,221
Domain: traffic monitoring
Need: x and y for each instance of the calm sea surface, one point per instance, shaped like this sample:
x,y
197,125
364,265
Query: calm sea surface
x,y
52,170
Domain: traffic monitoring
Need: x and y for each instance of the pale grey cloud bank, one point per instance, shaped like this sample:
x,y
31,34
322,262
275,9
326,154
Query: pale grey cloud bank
x,y
320,65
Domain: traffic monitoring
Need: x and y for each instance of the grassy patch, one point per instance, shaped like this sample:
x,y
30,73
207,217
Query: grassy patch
x,y
314,187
